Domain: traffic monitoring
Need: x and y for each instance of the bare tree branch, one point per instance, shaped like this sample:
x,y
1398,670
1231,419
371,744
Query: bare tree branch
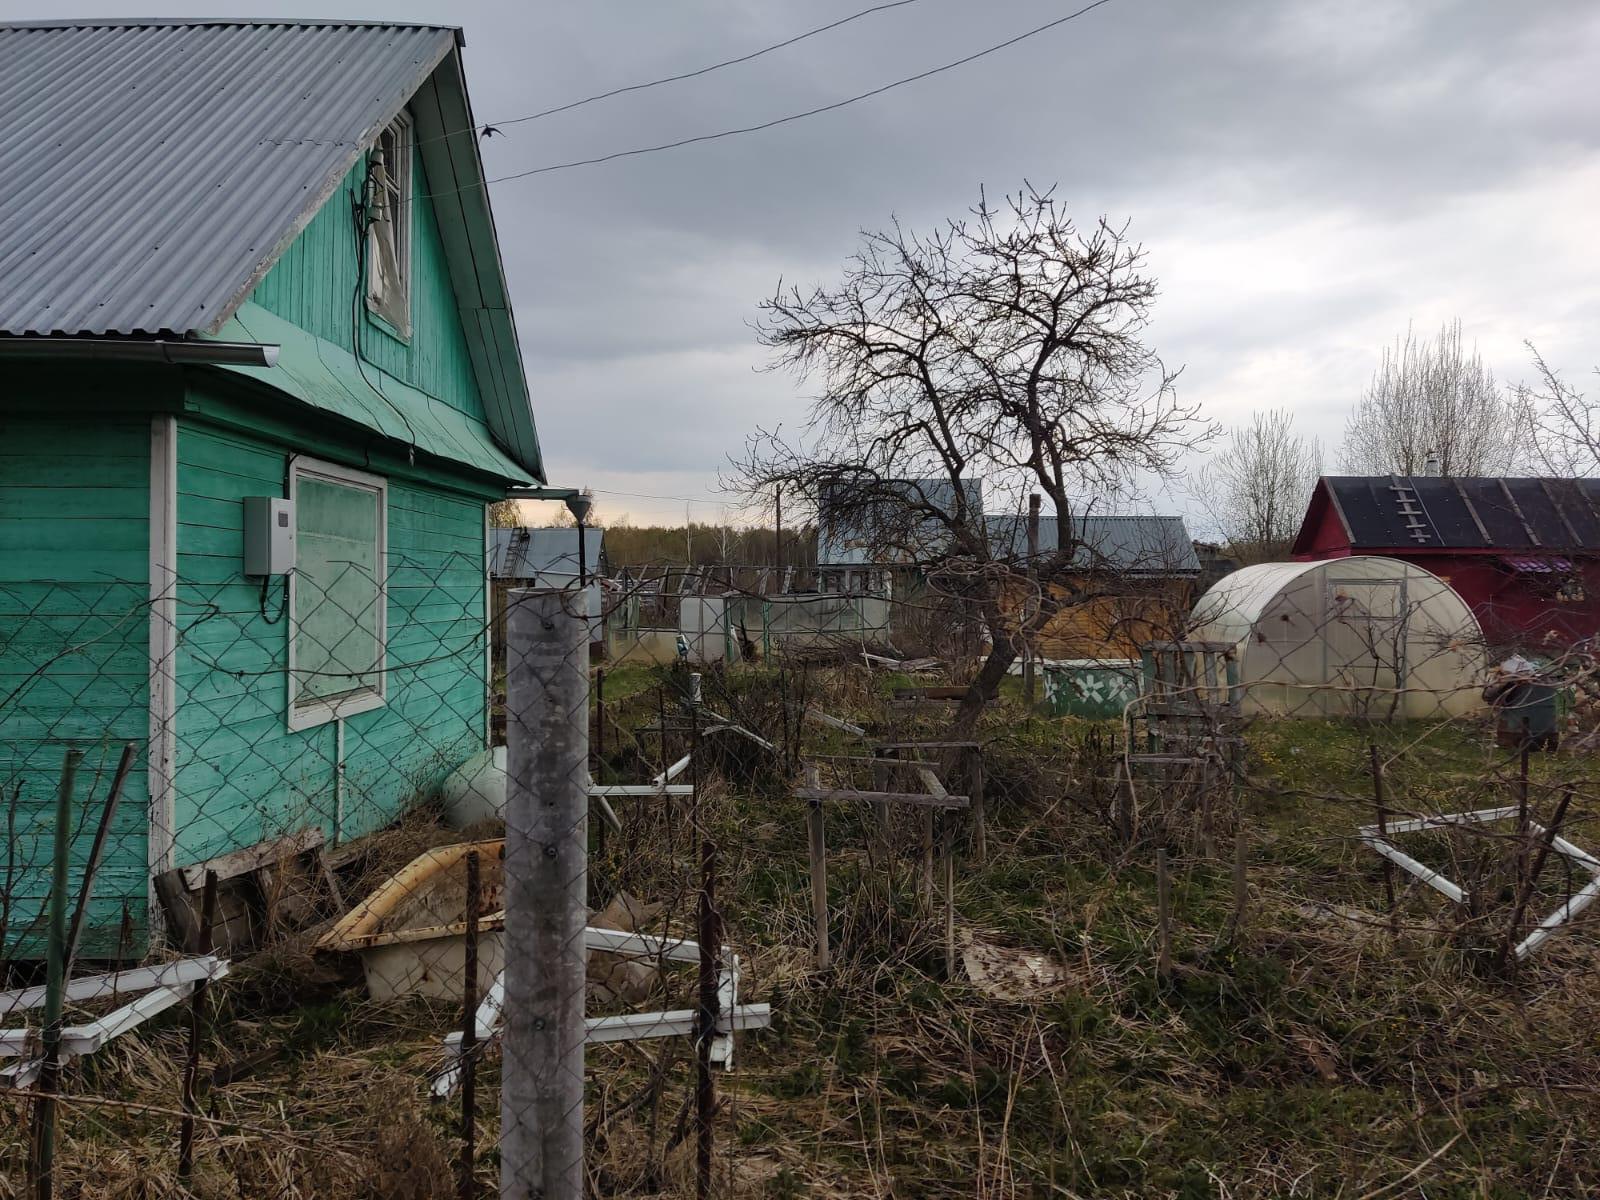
x,y
1433,397
1003,351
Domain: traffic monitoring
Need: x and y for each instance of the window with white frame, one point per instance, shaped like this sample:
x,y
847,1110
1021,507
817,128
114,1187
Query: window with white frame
x,y
388,250
338,592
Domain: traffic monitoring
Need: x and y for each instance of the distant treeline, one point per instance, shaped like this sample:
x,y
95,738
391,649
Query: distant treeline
x,y
706,545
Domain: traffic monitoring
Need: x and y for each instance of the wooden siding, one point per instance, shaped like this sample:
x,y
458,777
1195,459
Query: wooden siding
x,y
74,657
314,283
1120,616
242,774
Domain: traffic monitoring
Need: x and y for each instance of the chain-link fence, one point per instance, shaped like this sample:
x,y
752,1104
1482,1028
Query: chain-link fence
x,y
242,800
310,890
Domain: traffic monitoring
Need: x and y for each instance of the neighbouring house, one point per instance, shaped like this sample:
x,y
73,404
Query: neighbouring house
x,y
1215,563
1138,573
1523,553
1135,577
261,381
547,557
871,542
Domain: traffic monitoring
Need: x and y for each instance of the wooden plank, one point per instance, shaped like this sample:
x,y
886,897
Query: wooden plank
x,y
927,746
174,896
866,761
920,799
252,858
818,851
930,693
949,854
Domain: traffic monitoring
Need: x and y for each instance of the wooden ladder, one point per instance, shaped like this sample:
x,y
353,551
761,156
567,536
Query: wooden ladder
x,y
1409,507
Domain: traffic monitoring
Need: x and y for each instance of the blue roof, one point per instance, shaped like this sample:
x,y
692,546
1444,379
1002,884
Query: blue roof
x,y
863,539
545,557
1129,545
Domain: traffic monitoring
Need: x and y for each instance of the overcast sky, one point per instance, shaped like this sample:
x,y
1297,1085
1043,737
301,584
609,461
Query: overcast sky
x,y
1308,177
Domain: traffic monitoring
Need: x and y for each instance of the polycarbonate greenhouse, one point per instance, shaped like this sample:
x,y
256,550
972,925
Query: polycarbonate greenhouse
x,y
1363,636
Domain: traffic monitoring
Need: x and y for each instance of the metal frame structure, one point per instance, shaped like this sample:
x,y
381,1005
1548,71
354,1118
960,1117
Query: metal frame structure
x,y
162,986
1377,838
624,1027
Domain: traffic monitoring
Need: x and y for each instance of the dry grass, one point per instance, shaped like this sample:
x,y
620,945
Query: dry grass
x,y
1313,1053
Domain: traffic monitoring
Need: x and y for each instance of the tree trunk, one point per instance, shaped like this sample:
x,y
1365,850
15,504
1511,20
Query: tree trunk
x,y
982,691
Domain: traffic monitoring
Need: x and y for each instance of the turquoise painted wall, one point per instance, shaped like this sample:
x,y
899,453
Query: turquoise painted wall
x,y
313,284
74,648
243,775
74,562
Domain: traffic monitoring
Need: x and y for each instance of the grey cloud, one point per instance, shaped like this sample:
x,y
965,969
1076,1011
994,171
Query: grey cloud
x,y
1387,132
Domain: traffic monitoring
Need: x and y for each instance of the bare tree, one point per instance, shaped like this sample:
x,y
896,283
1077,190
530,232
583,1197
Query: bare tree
x,y
505,514
1433,397
1563,423
1005,349
1258,487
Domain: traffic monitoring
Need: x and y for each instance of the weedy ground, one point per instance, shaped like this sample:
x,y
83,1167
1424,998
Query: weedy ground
x,y
1323,1046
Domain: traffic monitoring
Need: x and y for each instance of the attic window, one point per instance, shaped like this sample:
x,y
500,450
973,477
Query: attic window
x,y
389,227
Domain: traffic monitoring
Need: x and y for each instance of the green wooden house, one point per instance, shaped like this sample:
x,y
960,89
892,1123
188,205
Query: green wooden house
x,y
259,379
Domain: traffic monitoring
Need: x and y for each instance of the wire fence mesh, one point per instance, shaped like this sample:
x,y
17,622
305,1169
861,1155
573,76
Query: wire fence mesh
x,y
348,885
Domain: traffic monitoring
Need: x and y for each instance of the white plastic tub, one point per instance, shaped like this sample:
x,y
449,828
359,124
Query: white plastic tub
x,y
411,932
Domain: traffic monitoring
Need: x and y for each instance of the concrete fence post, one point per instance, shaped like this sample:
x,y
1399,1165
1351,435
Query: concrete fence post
x,y
547,804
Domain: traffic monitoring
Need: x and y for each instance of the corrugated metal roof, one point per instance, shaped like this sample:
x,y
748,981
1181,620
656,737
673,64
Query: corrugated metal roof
x,y
1142,545
873,528
153,169
544,556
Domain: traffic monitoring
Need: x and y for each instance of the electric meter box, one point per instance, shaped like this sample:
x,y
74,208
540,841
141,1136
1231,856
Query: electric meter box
x,y
268,535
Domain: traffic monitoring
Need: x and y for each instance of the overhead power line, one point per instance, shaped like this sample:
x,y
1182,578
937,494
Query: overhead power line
x,y
792,117
717,66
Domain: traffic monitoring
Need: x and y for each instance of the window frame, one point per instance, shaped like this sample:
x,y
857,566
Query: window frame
x,y
320,711
398,204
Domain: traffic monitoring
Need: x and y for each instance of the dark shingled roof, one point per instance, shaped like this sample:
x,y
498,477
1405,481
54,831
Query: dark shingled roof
x,y
1462,513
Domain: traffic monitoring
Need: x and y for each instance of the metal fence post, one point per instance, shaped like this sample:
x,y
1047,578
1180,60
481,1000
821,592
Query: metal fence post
x,y
43,1158
546,867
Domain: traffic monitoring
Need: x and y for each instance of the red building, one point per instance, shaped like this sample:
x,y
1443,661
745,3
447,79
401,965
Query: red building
x,y
1523,553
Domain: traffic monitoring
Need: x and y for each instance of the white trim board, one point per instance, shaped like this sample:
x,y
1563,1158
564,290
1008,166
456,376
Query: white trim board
x,y
162,748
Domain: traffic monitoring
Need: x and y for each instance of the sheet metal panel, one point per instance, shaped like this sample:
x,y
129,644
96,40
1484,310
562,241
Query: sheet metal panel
x,y
153,169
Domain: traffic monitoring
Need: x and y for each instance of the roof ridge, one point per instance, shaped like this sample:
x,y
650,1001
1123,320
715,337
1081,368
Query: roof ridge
x,y
197,22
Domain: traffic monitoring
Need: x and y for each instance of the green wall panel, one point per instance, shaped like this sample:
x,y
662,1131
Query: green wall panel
x,y
243,775
313,284
74,653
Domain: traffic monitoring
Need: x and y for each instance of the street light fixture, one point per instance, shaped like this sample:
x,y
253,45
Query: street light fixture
x,y
579,505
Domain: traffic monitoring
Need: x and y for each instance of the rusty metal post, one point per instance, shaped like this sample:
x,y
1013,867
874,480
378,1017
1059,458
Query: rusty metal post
x,y
43,1146
191,1068
710,938
469,1032
1383,832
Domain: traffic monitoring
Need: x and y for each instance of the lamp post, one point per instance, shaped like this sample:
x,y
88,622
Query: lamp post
x,y
578,505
